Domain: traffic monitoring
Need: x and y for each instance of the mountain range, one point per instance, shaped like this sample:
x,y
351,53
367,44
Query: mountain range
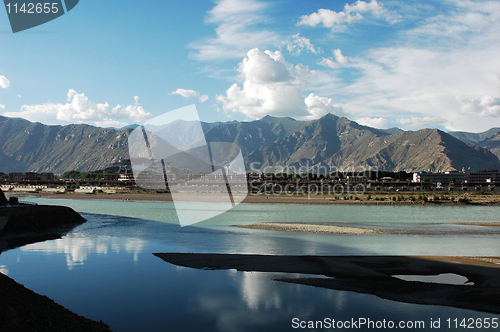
x,y
329,141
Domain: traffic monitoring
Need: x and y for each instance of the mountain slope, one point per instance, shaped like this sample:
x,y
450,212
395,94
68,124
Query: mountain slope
x,y
474,138
329,141
27,146
339,142
492,143
488,139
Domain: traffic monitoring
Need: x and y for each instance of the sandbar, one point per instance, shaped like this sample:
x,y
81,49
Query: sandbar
x,y
312,228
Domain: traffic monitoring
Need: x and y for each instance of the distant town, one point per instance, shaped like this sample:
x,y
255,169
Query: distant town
x,y
120,178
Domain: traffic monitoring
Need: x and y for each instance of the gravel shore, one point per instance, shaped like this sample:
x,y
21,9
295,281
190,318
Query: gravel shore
x,y
311,228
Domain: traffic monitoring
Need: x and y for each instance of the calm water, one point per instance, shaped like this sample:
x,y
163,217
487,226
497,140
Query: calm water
x,y
104,269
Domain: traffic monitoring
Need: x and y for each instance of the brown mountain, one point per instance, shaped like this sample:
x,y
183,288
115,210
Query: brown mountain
x,y
28,146
332,141
492,143
329,141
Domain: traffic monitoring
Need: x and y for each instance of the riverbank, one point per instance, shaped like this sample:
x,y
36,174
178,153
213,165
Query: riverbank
x,y
22,309
390,198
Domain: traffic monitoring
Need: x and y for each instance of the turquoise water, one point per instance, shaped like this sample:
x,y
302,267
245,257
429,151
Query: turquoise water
x,y
105,270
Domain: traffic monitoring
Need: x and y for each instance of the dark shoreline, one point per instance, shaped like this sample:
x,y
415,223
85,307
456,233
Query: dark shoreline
x,y
22,309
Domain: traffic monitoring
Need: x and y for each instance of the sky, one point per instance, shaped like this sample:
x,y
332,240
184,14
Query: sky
x,y
406,64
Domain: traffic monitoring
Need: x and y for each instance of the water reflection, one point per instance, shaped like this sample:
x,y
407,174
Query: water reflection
x,y
368,274
77,249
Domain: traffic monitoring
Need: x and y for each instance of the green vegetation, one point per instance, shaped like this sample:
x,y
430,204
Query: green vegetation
x,y
76,175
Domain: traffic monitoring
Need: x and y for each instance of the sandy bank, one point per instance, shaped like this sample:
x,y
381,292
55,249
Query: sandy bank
x,y
311,228
329,228
492,224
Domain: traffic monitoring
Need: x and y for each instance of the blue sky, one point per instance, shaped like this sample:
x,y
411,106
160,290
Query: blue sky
x,y
380,63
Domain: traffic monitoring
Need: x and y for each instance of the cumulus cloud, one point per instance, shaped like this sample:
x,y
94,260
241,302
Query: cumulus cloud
x,y
380,123
185,93
329,63
2,106
351,13
339,57
486,105
190,94
80,109
340,60
4,82
273,86
318,106
237,30
298,44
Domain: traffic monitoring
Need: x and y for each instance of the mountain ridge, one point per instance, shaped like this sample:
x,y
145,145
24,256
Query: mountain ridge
x,y
330,141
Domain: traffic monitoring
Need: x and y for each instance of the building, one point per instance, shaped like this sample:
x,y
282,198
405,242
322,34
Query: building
x,y
126,177
111,177
462,177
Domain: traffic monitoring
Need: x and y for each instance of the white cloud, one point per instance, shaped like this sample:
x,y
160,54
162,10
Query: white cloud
x,y
273,86
469,17
2,106
428,76
339,57
81,110
132,112
189,94
340,60
484,106
351,13
420,121
185,93
237,30
4,82
319,106
380,123
327,62
298,44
